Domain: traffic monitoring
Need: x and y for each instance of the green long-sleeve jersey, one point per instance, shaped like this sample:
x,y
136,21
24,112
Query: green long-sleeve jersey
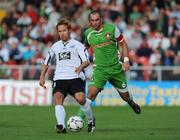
x,y
104,43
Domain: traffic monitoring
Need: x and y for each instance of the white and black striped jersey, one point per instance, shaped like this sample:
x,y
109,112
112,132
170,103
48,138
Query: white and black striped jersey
x,y
68,57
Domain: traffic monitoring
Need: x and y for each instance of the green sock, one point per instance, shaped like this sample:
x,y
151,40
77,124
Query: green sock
x,y
81,114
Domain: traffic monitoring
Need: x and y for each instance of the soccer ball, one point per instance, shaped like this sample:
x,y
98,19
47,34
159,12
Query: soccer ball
x,y
75,123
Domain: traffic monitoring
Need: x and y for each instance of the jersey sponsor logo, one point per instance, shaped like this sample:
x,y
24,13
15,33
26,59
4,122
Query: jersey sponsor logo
x,y
64,55
102,44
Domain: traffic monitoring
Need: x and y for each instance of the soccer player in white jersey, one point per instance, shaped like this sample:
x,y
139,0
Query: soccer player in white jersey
x,y
70,61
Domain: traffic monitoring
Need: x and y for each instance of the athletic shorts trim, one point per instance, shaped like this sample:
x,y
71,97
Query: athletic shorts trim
x,y
122,90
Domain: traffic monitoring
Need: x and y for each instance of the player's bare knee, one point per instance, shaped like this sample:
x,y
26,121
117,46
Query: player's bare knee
x,y
81,101
58,98
91,97
80,98
58,95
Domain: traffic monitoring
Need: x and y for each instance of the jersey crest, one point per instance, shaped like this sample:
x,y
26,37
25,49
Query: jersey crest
x,y
124,85
108,37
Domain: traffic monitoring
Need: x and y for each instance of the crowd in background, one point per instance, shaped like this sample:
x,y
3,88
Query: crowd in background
x,y
150,27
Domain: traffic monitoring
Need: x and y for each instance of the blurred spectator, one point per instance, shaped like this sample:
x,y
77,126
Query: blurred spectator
x,y
142,6
15,53
120,23
135,15
134,75
53,18
144,50
4,53
19,4
29,53
143,55
40,30
150,27
32,13
31,72
170,54
114,9
24,20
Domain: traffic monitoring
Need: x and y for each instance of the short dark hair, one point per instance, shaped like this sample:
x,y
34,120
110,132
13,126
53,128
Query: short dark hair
x,y
95,12
63,21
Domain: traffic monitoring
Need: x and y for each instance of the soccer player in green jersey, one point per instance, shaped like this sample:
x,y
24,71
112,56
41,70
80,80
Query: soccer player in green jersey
x,y
106,40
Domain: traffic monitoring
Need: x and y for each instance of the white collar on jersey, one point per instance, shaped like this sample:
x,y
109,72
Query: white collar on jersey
x,y
65,43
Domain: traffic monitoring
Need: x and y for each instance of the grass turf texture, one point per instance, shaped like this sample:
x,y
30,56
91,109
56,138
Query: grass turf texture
x,y
112,123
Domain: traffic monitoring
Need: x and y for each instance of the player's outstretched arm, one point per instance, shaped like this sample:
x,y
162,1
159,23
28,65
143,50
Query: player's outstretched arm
x,y
81,67
44,69
123,46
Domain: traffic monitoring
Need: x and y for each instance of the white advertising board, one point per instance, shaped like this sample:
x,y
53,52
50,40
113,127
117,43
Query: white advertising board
x,y
24,93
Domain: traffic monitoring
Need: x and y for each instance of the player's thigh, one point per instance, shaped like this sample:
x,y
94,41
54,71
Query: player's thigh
x,y
118,80
60,86
58,98
80,97
93,92
99,78
76,85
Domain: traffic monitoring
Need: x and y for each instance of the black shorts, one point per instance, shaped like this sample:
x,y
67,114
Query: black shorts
x,y
70,86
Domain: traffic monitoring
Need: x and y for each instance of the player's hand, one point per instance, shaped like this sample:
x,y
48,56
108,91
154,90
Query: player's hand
x,y
78,69
126,66
42,82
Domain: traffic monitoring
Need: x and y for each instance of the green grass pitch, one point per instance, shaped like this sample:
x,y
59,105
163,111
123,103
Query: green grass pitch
x,y
112,123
